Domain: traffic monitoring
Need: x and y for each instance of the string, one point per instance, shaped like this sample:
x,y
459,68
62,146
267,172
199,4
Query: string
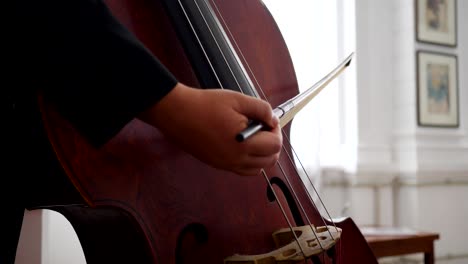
x,y
240,88
287,138
200,43
292,148
289,157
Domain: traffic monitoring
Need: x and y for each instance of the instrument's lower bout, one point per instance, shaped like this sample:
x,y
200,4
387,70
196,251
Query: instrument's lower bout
x,y
294,245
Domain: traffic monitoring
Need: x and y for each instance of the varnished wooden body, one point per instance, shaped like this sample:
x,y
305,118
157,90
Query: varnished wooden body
x,y
187,211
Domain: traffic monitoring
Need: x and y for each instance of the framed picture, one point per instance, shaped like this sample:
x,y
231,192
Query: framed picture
x,y
436,22
437,89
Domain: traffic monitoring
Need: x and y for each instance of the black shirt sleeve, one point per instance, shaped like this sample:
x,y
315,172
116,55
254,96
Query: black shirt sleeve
x,y
96,72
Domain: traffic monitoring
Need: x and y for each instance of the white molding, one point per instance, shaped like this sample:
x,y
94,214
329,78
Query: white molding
x,y
384,178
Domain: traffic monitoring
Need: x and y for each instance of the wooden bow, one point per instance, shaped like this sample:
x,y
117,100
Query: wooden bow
x,y
287,110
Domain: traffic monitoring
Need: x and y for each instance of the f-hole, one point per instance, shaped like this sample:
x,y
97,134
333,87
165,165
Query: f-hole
x,y
289,199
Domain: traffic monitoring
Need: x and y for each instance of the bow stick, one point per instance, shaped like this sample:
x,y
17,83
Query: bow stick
x,y
287,110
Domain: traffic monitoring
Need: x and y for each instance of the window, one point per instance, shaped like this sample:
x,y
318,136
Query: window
x,y
319,34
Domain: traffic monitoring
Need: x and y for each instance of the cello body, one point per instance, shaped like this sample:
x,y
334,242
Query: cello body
x,y
185,211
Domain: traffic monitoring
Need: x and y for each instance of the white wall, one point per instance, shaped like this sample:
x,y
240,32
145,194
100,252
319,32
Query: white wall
x,y
48,238
30,245
406,175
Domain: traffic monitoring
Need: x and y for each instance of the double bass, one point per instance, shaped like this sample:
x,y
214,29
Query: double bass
x,y
181,210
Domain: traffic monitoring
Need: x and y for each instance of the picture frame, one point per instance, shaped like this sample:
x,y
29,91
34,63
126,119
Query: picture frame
x,y
436,22
437,89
